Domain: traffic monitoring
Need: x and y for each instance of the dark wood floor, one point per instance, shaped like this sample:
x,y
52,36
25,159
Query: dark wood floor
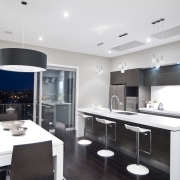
x,y
82,163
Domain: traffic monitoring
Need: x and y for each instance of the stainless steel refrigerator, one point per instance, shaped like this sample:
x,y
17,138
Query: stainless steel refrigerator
x,y
119,91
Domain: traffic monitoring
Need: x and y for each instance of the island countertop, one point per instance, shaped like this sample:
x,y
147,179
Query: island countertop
x,y
167,123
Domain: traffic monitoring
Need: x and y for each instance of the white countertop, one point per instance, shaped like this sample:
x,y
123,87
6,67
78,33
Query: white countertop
x,y
54,103
168,123
34,134
163,112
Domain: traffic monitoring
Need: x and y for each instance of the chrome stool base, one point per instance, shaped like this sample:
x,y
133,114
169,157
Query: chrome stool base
x,y
105,153
137,169
84,142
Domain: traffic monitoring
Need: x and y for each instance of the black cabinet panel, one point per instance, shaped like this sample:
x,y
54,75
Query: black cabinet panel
x,y
173,79
134,77
166,75
155,77
173,75
117,78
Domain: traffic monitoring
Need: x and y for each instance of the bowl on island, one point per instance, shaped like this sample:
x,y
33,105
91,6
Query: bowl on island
x,y
18,131
97,106
7,125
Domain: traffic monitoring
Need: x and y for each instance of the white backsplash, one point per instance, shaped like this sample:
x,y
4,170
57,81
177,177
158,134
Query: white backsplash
x,y
168,95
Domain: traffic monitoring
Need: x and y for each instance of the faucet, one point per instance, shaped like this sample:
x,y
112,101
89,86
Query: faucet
x,y
113,96
160,107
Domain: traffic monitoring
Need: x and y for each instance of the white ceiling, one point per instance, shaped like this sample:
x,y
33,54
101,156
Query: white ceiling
x,y
90,22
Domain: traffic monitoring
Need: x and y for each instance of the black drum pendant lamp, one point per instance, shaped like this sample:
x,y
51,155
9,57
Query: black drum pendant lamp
x,y
22,60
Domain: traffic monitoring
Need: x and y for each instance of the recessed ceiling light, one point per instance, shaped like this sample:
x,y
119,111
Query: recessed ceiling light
x,y
66,14
148,40
8,32
40,38
109,51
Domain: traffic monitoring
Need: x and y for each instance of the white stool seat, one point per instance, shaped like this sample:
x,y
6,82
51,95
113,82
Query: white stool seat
x,y
137,129
86,116
104,121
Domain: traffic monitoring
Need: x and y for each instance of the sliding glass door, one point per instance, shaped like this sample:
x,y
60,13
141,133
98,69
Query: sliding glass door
x,y
58,97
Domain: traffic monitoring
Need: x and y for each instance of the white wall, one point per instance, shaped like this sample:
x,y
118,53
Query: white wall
x,y
168,95
142,59
92,87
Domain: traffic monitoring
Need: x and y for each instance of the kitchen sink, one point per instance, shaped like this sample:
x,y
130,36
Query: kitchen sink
x,y
126,113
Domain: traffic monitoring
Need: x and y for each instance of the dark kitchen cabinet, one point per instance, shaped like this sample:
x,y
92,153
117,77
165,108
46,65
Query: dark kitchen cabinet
x,y
134,77
117,78
166,75
173,75
155,77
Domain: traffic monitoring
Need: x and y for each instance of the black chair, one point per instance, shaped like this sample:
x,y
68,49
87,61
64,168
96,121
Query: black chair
x,y
32,162
60,130
45,125
3,171
8,117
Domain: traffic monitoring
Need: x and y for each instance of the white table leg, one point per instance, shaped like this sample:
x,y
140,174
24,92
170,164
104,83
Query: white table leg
x,y
58,163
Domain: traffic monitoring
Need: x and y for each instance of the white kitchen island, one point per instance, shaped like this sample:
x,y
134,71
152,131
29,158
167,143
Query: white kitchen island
x,y
34,134
171,125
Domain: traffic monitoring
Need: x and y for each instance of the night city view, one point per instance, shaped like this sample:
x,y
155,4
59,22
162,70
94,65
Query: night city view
x,y
8,97
16,87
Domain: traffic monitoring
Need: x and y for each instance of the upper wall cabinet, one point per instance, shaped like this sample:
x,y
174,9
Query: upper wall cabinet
x,y
132,77
173,75
117,78
155,77
167,75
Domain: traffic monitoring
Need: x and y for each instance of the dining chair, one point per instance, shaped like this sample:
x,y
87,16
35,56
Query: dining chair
x,y
60,130
8,117
32,162
3,172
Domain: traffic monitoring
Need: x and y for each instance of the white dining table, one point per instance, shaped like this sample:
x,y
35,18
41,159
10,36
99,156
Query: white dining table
x,y
33,134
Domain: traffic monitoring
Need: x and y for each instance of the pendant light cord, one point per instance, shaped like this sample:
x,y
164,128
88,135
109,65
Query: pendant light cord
x,y
23,33
153,40
24,3
162,36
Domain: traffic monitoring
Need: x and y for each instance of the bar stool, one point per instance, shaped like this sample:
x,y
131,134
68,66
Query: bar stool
x,y
86,118
105,152
137,168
